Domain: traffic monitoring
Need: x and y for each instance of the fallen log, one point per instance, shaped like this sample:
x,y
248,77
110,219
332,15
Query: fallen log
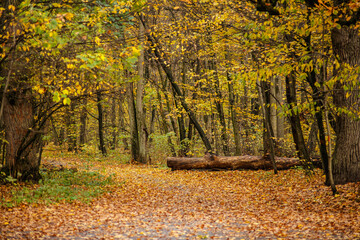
x,y
233,162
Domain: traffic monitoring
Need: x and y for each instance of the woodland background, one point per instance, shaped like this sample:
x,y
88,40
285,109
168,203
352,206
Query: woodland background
x,y
97,94
181,78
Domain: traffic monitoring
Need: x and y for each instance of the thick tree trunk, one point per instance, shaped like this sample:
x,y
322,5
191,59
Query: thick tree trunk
x,y
346,157
22,161
234,162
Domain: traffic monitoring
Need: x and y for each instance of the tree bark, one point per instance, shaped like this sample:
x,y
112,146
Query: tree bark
x,y
134,138
70,121
272,107
113,123
140,111
295,119
346,157
279,92
234,117
219,107
233,162
121,121
83,123
102,147
269,132
23,142
165,124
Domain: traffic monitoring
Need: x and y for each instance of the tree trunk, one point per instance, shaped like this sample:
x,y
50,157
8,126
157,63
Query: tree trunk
x,y
234,162
182,134
264,98
121,123
134,138
295,119
102,147
269,132
346,157
219,107
165,125
83,121
279,93
312,139
113,123
70,121
272,108
23,142
234,117
140,111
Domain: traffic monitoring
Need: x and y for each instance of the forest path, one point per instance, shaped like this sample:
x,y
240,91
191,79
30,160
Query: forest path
x,y
160,204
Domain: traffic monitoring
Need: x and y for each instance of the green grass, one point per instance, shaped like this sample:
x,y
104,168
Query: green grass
x,y
60,186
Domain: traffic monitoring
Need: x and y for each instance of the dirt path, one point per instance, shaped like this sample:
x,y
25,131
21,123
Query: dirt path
x,y
160,204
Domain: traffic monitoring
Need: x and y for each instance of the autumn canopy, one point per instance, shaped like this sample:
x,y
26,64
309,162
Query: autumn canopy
x,y
181,78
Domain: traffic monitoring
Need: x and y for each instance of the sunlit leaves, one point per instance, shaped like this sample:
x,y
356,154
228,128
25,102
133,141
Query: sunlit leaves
x,y
72,37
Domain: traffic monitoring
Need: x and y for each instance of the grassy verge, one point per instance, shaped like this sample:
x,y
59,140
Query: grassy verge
x,y
58,186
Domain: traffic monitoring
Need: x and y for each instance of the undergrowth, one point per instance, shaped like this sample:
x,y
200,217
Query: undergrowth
x,y
58,186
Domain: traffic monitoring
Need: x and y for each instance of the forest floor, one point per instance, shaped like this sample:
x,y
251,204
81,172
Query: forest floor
x,y
156,203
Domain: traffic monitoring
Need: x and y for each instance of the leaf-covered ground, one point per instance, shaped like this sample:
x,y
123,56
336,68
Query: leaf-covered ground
x,y
156,203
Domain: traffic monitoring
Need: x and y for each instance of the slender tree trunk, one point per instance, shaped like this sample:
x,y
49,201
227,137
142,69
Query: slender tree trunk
x,y
83,124
55,133
279,93
272,107
102,147
312,139
113,123
268,134
331,177
165,125
71,127
234,117
295,119
319,101
122,124
182,135
134,138
220,109
265,98
140,111
152,121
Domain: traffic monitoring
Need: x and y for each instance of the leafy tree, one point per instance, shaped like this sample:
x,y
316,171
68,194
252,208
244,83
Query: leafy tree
x,y
46,48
